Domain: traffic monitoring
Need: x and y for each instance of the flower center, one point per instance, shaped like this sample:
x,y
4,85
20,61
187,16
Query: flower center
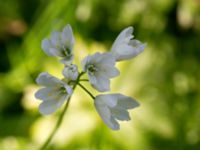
x,y
63,90
66,52
92,69
72,69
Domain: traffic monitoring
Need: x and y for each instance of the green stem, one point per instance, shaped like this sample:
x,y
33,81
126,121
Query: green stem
x,y
84,80
60,119
86,90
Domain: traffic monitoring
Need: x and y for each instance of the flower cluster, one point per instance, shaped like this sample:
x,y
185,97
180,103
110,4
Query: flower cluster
x,y
99,67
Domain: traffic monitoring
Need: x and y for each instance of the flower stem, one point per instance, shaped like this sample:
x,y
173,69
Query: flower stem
x,y
86,80
86,90
60,119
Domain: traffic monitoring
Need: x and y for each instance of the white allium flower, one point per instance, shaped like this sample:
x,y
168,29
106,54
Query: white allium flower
x,y
100,68
60,44
125,47
54,93
113,107
70,72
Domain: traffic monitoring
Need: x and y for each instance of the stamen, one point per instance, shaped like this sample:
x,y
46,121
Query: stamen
x,y
63,90
92,69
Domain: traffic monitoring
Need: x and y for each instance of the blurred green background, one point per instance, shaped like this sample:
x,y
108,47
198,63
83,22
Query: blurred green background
x,y
165,78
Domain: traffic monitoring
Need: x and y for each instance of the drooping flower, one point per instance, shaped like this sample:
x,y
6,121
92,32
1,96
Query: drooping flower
x,y
100,67
54,93
113,107
125,47
60,44
70,72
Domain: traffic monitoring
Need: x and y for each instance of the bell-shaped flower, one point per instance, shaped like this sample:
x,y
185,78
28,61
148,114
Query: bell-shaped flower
x,y
125,47
70,72
113,107
54,93
100,67
60,44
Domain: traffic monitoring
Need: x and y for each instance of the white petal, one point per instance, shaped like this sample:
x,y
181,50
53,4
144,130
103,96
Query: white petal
x,y
93,80
107,99
68,89
70,72
102,59
139,46
114,124
55,38
112,107
120,113
102,83
104,112
126,48
46,45
85,61
44,93
46,79
67,37
109,71
67,61
51,93
48,107
106,65
104,70
127,102
62,99
56,52
95,58
124,36
106,58
125,51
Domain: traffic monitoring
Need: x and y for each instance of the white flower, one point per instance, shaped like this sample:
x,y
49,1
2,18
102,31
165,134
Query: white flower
x,y
113,107
100,68
60,44
70,72
125,47
54,93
